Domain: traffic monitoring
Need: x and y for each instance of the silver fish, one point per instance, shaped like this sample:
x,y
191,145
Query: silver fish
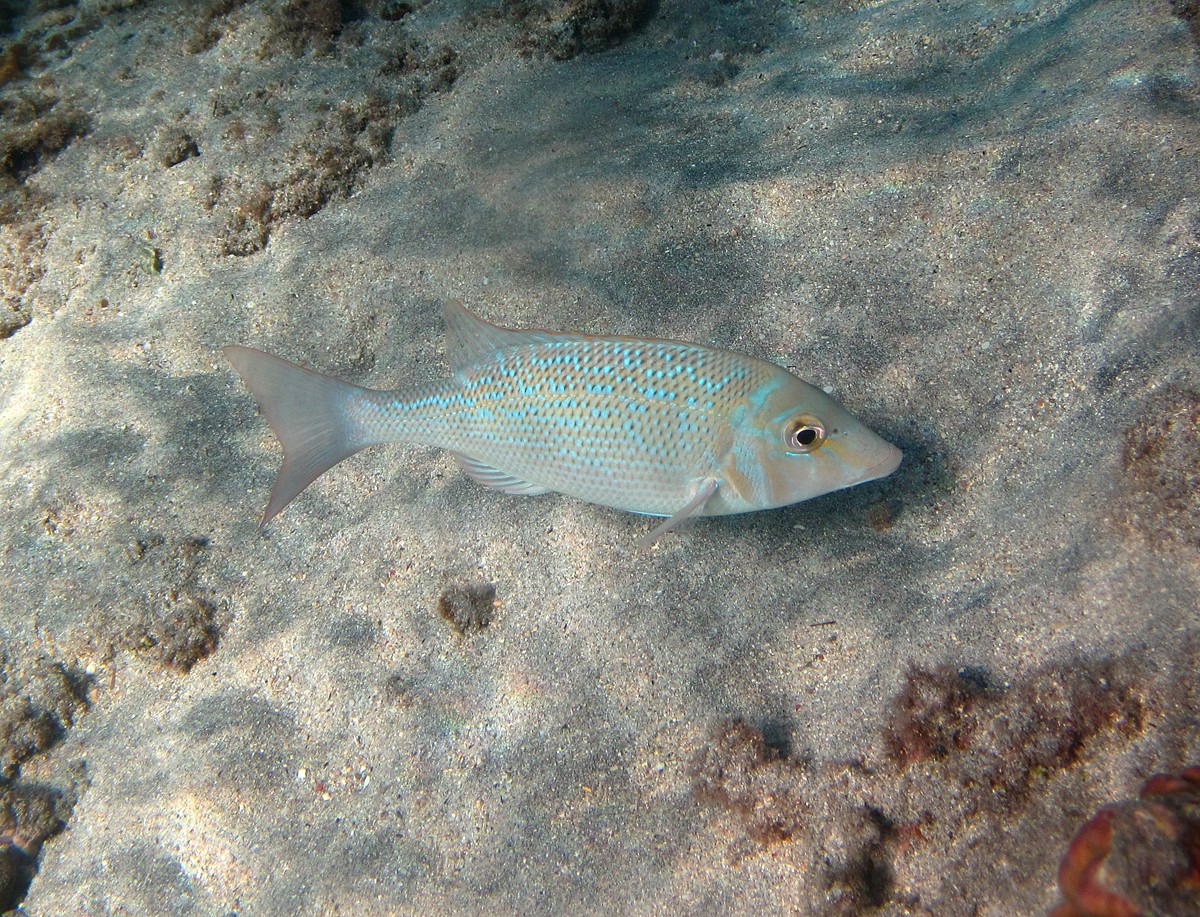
x,y
650,426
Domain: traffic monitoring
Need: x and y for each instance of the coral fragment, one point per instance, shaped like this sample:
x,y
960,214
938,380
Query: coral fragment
x,y
1139,856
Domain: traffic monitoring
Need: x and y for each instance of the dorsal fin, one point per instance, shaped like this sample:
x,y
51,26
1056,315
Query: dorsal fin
x,y
471,340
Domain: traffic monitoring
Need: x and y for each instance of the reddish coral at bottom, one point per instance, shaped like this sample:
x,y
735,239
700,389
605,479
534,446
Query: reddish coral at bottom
x,y
1139,857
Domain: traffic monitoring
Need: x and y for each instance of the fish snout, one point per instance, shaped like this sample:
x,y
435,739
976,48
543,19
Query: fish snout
x,y
885,463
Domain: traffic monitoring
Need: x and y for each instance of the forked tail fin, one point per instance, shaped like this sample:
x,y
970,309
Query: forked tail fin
x,y
310,412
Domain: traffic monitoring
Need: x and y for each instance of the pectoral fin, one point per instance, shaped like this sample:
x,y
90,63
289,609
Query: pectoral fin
x,y
704,489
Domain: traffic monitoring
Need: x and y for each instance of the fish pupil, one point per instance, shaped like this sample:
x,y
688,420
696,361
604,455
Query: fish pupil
x,y
806,436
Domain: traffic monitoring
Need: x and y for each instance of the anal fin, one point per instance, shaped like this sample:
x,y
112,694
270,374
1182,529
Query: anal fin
x,y
495,479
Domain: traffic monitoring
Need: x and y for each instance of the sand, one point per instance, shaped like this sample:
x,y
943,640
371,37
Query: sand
x,y
976,223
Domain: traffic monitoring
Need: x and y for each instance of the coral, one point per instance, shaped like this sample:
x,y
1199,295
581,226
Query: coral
x,y
469,607
436,70
24,731
1139,856
333,150
249,225
331,172
392,11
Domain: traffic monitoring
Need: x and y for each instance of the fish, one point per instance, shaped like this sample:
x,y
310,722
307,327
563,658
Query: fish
x,y
657,427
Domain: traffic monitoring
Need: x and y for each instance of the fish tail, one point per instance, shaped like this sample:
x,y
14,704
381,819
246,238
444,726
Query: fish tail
x,y
311,413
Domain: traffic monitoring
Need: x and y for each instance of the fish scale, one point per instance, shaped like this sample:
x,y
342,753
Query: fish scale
x,y
650,426
577,416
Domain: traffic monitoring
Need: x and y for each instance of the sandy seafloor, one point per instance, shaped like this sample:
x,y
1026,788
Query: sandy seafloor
x,y
976,223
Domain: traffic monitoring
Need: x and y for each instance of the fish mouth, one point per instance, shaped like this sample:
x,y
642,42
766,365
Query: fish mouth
x,y
882,468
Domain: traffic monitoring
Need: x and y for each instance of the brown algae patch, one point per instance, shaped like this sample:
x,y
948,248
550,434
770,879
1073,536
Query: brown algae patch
x,y
1162,466
969,773
468,607
180,623
40,700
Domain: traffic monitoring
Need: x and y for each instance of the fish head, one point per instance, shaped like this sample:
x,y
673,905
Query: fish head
x,y
795,442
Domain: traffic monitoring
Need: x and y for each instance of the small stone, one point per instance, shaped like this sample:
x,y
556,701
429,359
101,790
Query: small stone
x,y
175,146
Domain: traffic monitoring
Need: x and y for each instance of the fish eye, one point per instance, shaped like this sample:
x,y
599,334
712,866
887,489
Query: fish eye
x,y
804,434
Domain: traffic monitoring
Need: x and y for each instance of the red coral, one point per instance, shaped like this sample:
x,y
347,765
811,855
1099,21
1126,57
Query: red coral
x,y
1137,857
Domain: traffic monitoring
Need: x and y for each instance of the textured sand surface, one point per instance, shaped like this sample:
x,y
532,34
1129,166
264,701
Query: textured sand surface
x,y
976,223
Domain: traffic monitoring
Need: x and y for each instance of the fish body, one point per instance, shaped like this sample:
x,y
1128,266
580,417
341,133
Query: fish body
x,y
658,427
